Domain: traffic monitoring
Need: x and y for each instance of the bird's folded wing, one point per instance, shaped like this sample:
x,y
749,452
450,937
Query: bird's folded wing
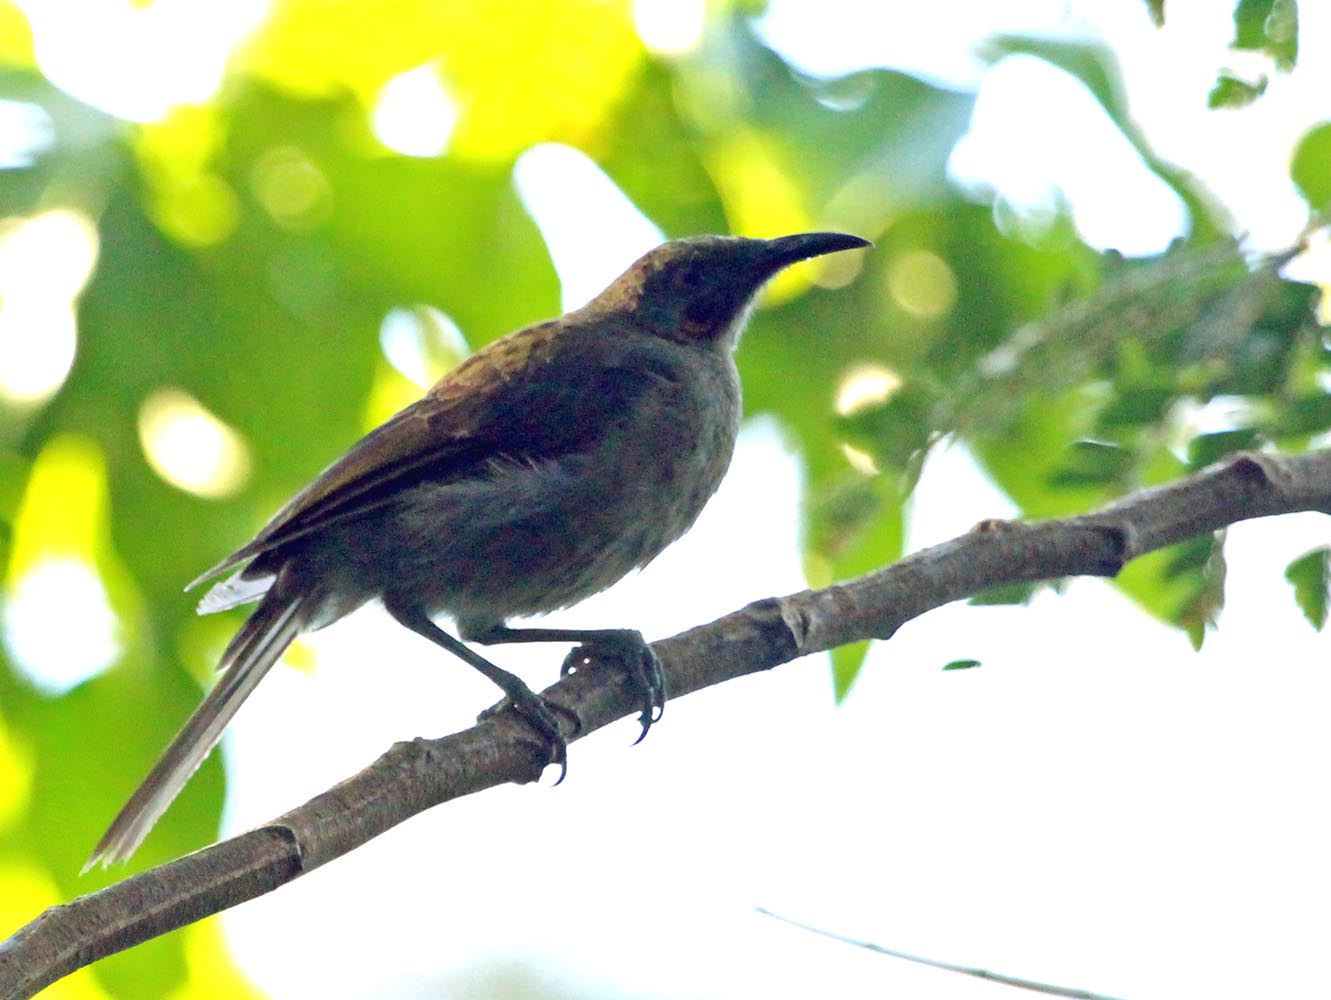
x,y
358,481
503,404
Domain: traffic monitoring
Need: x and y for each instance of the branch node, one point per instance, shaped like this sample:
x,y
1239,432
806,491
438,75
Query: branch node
x,y
1119,539
1252,467
795,616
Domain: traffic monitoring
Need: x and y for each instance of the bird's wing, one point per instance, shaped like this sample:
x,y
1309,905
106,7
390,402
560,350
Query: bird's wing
x,y
505,403
360,480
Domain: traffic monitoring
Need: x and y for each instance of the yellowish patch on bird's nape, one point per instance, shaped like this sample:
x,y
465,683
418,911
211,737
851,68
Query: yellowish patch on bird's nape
x,y
626,292
496,364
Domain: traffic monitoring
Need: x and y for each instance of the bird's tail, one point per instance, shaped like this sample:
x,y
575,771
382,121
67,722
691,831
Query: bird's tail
x,y
255,648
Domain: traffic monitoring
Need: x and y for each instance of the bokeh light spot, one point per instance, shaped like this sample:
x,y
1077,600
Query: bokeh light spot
x,y
58,621
922,283
137,61
291,188
59,625
1115,199
26,131
200,211
868,384
669,27
191,448
422,343
415,115
44,263
37,344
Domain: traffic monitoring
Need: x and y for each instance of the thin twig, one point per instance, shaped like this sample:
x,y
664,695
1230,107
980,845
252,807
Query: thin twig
x,y
965,970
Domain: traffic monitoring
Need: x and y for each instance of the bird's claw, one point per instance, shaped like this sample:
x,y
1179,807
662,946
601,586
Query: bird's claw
x,y
539,713
629,650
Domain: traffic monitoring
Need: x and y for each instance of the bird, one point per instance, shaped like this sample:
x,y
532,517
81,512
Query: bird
x,y
538,472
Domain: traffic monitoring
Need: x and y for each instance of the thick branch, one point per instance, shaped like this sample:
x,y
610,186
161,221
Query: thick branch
x,y
415,775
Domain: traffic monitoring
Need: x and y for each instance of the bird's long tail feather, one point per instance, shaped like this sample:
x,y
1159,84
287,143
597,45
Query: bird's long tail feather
x,y
255,648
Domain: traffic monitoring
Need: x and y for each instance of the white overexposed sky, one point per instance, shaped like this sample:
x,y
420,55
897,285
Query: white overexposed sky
x,y
1095,806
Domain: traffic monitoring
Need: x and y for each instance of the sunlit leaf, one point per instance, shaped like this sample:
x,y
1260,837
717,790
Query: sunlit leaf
x,y
961,665
1311,168
1270,26
522,71
846,663
15,36
1231,92
1310,576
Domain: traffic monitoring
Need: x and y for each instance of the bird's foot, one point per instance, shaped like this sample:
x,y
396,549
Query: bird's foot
x,y
540,714
627,648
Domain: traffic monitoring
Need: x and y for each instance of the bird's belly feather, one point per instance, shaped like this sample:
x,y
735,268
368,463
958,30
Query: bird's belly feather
x,y
533,537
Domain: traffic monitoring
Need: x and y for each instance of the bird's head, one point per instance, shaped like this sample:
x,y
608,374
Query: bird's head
x,y
700,289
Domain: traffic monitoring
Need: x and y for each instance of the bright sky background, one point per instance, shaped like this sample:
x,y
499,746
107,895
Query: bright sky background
x,y
1119,815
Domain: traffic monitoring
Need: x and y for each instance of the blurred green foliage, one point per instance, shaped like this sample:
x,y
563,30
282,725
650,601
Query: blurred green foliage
x,y
250,248
1267,27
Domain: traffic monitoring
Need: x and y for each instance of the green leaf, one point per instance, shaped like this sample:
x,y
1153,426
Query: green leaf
x,y
896,431
1091,463
846,663
1138,405
1025,459
1269,26
1311,167
961,665
855,526
1182,585
1231,92
1306,414
1188,556
1250,23
1207,448
1008,593
655,159
1309,575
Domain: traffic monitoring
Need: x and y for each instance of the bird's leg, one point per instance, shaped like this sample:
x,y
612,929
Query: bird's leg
x,y
535,709
624,645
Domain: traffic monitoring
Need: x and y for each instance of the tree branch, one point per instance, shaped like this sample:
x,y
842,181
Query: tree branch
x,y
412,776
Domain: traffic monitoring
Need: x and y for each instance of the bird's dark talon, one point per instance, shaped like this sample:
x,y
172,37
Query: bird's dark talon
x,y
575,661
636,658
539,713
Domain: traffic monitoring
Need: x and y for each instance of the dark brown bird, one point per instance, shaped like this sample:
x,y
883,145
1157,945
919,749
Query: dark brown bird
x,y
535,474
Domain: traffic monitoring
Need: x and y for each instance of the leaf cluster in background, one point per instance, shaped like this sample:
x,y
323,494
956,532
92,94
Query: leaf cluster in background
x,y
1269,28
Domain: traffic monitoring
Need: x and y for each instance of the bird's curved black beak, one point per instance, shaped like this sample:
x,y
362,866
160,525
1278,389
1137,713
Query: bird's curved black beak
x,y
786,250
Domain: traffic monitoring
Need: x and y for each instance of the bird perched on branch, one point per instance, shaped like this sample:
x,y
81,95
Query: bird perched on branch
x,y
535,474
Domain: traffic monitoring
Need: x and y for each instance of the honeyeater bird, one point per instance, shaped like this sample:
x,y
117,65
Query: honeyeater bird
x,y
537,473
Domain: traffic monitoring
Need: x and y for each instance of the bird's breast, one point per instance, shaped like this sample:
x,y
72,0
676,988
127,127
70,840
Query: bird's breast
x,y
531,537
